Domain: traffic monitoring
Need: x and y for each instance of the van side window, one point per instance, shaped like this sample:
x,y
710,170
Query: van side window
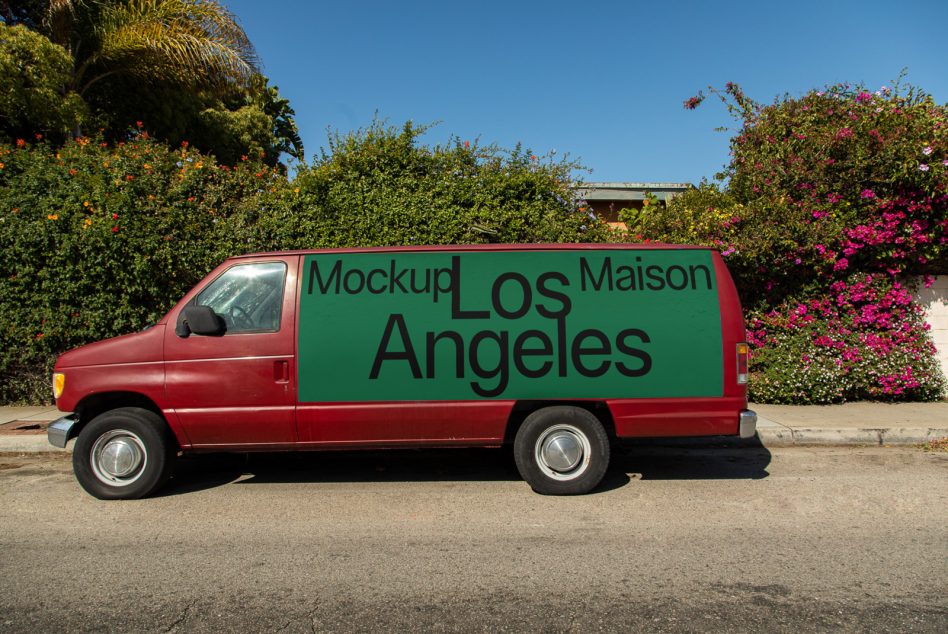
x,y
248,296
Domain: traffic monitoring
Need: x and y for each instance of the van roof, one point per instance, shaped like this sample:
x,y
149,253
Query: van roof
x,y
583,246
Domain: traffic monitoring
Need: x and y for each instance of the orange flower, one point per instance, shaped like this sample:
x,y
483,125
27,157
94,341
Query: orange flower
x,y
52,217
129,177
73,172
20,143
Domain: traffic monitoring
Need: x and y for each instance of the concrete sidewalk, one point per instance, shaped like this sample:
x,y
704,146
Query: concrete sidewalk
x,y
864,423
22,429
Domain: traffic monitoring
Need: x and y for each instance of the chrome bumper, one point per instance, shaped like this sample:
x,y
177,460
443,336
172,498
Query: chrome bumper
x,y
748,423
58,432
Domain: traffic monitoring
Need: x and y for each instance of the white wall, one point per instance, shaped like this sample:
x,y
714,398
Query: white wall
x,y
935,302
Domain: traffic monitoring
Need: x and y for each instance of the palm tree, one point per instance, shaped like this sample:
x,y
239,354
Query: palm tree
x,y
195,43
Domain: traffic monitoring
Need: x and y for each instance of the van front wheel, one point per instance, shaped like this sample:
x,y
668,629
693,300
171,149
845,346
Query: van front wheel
x,y
562,450
123,454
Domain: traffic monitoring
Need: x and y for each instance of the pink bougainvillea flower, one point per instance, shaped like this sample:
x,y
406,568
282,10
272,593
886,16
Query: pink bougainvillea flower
x,y
863,97
841,264
868,193
927,150
923,167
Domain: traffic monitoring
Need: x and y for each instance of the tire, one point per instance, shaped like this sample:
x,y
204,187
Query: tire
x,y
562,450
123,454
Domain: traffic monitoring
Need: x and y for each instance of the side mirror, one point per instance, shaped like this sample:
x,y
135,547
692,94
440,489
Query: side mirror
x,y
200,320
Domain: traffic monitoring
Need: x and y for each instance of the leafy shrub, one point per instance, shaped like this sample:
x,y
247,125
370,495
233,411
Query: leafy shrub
x,y
100,240
379,186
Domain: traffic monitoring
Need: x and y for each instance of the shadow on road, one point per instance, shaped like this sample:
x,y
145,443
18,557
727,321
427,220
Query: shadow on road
x,y
747,462
197,473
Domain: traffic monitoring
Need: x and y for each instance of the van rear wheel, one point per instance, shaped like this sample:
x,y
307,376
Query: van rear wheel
x,y
562,450
123,454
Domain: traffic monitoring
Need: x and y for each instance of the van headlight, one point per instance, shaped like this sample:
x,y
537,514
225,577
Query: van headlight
x,y
59,384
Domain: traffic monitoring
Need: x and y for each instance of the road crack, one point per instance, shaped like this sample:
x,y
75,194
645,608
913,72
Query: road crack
x,y
181,619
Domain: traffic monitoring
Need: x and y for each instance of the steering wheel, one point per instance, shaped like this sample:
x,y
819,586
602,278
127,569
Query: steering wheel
x,y
240,318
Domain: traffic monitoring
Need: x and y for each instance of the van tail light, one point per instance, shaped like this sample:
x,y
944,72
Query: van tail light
x,y
742,352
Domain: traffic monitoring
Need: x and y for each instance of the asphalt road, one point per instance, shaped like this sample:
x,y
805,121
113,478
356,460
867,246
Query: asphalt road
x,y
675,540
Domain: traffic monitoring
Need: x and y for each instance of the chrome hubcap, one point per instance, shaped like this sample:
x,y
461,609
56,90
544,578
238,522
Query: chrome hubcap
x,y
118,457
562,452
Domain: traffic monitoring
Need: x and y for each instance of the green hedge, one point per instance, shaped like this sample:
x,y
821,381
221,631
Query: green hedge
x,y
100,240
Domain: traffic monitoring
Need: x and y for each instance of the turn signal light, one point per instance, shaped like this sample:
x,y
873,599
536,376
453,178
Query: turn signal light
x,y
742,353
59,384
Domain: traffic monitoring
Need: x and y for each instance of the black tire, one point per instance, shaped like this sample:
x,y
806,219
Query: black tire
x,y
554,472
123,454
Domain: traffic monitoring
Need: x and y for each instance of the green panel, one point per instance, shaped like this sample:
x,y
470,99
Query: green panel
x,y
509,325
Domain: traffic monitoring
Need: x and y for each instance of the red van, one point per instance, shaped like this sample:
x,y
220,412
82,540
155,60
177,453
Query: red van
x,y
555,348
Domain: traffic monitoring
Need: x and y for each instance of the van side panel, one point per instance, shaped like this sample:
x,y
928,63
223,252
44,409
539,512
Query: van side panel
x,y
655,417
418,423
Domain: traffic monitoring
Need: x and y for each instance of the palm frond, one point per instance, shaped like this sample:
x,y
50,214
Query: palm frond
x,y
193,41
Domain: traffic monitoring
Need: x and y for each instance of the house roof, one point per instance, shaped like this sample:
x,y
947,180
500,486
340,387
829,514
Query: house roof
x,y
629,191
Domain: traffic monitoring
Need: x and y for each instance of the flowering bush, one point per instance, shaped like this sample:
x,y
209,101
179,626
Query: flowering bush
x,y
865,339
822,190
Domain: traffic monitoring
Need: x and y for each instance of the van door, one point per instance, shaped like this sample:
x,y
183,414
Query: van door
x,y
238,388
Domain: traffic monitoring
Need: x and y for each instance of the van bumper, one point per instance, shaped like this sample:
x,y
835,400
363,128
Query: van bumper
x,y
748,427
59,431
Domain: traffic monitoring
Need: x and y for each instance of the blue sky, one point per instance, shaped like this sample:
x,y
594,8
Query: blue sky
x,y
601,81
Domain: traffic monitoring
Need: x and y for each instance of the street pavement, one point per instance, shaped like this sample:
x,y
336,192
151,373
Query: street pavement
x,y
863,423
678,539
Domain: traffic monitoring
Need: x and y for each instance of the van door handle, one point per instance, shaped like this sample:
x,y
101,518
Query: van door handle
x,y
281,371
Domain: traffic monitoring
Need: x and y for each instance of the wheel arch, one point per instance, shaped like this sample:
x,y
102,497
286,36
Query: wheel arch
x,y
95,404
524,408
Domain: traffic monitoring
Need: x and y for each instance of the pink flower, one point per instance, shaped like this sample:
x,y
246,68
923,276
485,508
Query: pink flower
x,y
868,193
927,150
863,97
923,167
841,264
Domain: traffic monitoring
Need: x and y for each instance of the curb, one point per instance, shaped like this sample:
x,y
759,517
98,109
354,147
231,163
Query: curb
x,y
767,437
821,437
